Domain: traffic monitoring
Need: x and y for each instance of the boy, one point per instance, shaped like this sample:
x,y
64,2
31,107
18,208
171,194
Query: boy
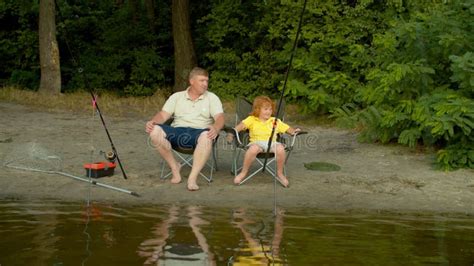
x,y
260,124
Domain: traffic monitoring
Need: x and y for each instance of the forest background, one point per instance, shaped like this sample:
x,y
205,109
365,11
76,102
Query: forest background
x,y
397,70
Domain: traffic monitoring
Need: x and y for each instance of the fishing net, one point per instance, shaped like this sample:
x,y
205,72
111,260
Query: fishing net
x,y
36,158
33,157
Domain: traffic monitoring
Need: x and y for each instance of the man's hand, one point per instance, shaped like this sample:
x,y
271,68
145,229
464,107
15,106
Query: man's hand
x,y
149,126
212,132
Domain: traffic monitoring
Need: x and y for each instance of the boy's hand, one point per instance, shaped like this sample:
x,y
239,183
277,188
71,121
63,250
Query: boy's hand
x,y
296,130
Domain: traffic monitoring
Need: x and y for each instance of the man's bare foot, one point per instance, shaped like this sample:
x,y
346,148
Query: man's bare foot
x,y
193,187
239,178
283,180
176,179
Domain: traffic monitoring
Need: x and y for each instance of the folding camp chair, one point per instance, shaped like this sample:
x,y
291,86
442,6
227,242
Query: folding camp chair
x,y
241,141
185,156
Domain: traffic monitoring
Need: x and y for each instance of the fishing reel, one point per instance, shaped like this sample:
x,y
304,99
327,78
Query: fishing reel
x,y
109,156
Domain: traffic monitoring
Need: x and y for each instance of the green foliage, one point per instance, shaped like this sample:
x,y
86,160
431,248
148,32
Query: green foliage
x,y
250,45
420,88
459,155
19,44
239,52
463,71
124,57
115,52
344,115
332,56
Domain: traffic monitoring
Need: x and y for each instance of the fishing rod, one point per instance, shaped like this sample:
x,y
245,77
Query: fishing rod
x,y
114,150
94,98
275,121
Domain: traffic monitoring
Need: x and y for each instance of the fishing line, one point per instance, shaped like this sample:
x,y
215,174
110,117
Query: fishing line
x,y
275,121
89,175
275,185
284,86
86,228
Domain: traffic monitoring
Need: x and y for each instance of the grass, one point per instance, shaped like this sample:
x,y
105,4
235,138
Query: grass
x,y
81,102
119,106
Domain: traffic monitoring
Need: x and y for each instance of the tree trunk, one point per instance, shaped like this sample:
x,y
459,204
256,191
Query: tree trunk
x,y
184,54
48,49
150,13
134,6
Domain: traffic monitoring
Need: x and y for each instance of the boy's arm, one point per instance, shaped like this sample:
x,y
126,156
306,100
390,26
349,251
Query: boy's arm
x,y
241,126
293,131
230,134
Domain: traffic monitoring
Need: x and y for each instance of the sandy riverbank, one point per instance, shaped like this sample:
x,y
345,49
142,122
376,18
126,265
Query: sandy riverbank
x,y
372,177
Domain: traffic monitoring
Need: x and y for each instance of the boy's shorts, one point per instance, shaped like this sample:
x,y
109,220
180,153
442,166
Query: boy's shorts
x,y
264,145
182,137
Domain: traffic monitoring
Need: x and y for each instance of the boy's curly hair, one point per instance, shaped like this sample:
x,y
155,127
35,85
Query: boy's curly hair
x,y
259,102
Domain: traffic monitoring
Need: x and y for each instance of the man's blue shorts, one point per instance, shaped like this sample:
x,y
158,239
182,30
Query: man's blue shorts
x,y
182,137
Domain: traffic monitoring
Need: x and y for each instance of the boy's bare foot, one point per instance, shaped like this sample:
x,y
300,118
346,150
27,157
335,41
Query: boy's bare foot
x,y
176,179
239,178
193,187
283,180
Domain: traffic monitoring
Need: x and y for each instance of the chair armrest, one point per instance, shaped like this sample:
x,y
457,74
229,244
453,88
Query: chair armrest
x,y
236,136
293,137
228,129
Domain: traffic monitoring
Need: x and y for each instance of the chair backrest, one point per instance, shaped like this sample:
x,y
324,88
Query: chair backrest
x,y
243,108
169,121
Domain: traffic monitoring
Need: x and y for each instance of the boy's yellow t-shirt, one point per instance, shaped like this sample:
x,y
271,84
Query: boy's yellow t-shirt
x,y
260,131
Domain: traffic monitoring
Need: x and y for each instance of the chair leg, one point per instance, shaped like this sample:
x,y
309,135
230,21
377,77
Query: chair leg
x,y
214,156
212,170
163,176
162,169
187,159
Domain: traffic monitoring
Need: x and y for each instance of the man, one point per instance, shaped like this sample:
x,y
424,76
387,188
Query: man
x,y
198,118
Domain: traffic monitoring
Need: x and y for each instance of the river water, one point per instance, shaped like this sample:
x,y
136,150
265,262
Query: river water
x,y
93,233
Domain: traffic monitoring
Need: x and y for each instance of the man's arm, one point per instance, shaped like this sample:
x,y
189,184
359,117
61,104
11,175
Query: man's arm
x,y
219,121
214,129
159,118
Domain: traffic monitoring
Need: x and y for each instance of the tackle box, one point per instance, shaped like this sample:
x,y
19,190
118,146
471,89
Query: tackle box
x,y
99,169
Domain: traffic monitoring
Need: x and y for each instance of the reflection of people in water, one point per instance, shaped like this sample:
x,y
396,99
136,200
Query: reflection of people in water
x,y
257,252
175,243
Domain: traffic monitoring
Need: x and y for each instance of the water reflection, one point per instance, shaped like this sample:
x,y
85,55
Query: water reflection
x,y
171,241
255,251
43,234
55,233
